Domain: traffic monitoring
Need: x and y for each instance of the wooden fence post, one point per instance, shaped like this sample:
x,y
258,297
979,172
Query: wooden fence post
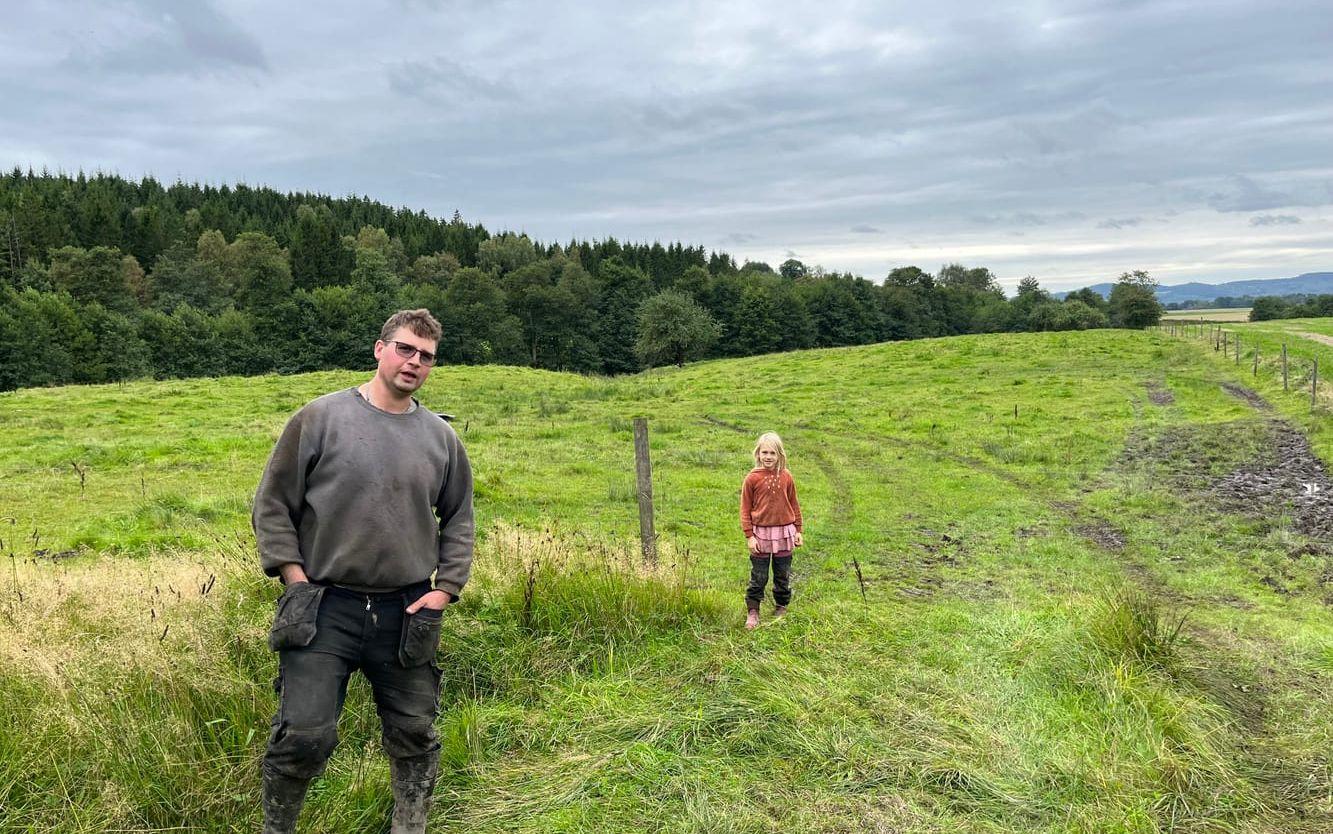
x,y
1284,367
643,470
1314,384
1256,361
1237,348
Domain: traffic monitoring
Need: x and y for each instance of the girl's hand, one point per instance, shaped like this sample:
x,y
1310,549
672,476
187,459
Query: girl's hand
x,y
753,542
799,539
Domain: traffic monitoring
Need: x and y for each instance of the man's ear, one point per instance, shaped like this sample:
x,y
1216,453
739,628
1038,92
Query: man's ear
x,y
379,348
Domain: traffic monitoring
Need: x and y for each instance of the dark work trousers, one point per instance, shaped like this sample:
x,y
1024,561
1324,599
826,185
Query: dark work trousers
x,y
370,632
759,578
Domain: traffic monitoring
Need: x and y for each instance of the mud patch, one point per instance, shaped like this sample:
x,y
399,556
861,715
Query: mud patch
x,y
1290,479
1259,469
1248,395
1190,458
918,571
1103,534
1159,394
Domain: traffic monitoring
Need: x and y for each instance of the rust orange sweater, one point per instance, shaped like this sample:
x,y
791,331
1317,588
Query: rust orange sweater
x,y
769,500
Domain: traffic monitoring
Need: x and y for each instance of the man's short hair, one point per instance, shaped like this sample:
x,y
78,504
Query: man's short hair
x,y
419,321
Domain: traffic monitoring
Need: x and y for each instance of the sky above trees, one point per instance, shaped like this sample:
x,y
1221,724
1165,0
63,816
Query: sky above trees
x,y
1069,141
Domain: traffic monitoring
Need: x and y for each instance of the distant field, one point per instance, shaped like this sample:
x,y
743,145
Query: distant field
x,y
1214,314
1308,339
1052,583
1320,326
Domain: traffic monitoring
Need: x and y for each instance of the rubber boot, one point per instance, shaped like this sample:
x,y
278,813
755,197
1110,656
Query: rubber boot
x,y
283,798
413,788
752,618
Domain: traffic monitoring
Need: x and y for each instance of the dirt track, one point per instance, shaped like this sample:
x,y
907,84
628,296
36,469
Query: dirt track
x,y
1316,337
1293,479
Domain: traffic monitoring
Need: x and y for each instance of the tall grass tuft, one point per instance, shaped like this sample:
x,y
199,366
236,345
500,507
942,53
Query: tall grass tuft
x,y
544,604
1130,625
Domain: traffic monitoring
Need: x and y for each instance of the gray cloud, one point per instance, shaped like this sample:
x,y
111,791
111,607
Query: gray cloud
x,y
1244,194
1119,222
177,38
442,81
999,136
1274,220
1025,218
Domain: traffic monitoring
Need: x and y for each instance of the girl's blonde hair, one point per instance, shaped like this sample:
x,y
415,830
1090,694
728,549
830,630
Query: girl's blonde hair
x,y
770,438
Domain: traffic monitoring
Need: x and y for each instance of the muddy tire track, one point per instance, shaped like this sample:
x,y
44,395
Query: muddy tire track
x,y
1249,395
1159,394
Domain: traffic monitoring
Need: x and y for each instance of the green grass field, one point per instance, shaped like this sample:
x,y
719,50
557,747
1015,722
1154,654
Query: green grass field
x,y
1214,314
1301,327
1025,603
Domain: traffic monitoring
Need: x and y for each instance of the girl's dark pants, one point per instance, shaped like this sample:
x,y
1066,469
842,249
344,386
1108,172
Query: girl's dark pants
x,y
759,578
394,650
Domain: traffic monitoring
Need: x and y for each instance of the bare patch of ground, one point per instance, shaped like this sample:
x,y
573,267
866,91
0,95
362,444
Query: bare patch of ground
x,y
1250,467
1291,478
917,570
1159,394
1103,534
1316,337
1248,395
1190,458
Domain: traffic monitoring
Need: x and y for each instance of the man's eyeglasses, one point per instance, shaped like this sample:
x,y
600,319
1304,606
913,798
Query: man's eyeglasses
x,y
407,351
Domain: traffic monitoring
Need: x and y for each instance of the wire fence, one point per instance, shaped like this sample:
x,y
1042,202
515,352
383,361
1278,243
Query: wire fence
x,y
1262,352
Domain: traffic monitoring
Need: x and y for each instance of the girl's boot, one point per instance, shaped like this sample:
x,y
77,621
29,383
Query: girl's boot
x,y
752,619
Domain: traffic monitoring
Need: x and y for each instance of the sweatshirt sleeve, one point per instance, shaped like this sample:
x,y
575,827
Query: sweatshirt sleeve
x,y
791,499
747,523
280,498
457,526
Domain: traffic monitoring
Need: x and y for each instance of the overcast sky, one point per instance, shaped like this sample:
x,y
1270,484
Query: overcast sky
x,y
1071,141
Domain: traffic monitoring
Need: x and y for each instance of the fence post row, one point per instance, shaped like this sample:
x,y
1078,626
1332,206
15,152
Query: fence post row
x,y
1222,341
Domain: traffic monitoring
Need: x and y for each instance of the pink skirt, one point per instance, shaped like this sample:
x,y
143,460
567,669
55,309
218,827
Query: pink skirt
x,y
776,539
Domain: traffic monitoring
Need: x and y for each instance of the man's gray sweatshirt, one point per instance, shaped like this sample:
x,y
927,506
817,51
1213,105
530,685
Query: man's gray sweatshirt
x,y
366,499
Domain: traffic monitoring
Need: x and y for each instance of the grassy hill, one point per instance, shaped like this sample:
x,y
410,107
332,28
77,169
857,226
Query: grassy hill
x,y
1052,582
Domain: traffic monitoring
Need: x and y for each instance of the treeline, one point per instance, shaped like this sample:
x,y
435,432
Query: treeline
x,y
1268,307
103,279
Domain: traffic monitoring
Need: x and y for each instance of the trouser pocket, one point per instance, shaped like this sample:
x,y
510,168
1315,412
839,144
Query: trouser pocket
x,y
421,637
294,624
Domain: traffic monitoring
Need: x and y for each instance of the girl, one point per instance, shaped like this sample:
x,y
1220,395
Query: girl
x,y
771,521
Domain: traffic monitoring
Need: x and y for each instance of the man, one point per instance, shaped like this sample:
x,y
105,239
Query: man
x,y
365,497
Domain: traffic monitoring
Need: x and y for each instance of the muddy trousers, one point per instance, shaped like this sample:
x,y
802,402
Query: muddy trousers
x,y
759,565
396,653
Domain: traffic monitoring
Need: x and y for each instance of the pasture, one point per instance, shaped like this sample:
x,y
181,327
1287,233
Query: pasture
x,y
1052,582
1214,314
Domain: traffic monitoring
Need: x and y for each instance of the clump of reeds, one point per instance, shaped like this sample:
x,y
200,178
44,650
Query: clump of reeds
x,y
1130,625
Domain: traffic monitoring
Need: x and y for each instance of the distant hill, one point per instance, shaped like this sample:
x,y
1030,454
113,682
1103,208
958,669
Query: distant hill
x,y
1312,283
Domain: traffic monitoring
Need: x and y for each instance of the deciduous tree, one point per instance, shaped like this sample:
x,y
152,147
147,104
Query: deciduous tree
x,y
673,328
